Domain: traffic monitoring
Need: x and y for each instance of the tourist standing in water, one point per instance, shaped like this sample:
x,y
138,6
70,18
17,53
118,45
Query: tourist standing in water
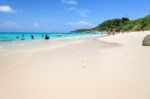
x,y
32,37
22,37
47,37
43,35
58,35
17,37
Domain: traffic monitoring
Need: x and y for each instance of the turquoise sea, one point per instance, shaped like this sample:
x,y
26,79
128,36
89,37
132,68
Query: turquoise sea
x,y
13,44
15,36
14,39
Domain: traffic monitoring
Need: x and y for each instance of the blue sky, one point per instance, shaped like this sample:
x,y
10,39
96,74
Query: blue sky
x,y
65,15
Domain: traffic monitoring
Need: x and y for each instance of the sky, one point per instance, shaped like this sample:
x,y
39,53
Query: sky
x,y
65,15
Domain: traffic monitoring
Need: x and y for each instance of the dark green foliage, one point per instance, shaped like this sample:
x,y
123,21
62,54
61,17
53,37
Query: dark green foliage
x,y
123,24
110,25
82,30
147,27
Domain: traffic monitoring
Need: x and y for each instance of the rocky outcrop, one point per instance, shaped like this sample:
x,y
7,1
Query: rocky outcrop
x,y
146,41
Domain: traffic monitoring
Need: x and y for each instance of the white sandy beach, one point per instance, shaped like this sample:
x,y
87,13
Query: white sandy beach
x,y
112,67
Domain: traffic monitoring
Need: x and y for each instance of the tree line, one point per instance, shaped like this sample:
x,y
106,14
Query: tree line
x,y
121,25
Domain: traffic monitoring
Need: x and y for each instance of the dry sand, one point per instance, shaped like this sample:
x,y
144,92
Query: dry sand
x,y
113,67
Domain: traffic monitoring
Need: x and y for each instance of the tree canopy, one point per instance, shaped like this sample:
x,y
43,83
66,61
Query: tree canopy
x,y
123,24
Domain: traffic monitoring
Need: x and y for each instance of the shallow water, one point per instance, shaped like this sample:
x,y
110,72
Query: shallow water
x,y
8,36
12,41
14,49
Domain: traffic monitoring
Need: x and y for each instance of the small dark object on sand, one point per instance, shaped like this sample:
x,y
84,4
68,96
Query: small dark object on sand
x,y
146,41
83,67
46,37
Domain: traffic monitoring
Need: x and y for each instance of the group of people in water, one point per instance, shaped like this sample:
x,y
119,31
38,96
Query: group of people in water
x,y
46,36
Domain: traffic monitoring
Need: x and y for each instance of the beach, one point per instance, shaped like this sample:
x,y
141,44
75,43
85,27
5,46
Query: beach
x,y
110,67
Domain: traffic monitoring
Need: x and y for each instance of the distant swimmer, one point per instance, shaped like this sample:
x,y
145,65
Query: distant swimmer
x,y
47,37
17,37
58,35
42,35
32,37
22,37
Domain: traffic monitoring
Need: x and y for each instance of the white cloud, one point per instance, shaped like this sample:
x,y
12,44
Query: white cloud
x,y
36,25
81,24
15,25
10,24
83,12
80,11
70,9
7,9
69,2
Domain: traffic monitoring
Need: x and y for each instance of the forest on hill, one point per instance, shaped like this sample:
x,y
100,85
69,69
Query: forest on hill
x,y
123,24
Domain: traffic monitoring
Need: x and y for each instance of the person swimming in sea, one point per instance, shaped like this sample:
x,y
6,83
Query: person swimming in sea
x,y
47,37
58,35
17,37
32,37
22,37
43,35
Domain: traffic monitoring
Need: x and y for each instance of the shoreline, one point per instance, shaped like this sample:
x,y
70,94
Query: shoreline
x,y
112,67
60,43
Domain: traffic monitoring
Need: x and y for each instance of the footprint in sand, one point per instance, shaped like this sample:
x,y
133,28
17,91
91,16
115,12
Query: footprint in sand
x,y
83,67
82,61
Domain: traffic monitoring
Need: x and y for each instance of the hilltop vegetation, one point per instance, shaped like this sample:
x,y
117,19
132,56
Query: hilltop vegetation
x,y
123,24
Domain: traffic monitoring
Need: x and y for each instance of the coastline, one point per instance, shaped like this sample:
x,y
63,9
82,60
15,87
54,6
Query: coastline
x,y
111,67
19,51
